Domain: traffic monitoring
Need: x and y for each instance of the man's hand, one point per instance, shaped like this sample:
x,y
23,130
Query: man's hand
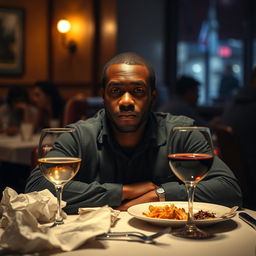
x,y
137,193
135,190
150,196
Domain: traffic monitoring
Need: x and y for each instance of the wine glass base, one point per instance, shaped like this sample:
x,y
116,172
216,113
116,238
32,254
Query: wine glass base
x,y
193,233
57,223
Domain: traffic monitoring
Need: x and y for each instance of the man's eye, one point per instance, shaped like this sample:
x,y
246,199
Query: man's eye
x,y
139,90
115,91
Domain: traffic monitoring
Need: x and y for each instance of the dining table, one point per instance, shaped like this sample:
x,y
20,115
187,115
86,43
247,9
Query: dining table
x,y
231,237
13,149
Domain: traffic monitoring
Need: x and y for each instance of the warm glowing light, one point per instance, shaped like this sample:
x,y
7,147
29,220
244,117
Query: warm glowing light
x,y
63,26
109,27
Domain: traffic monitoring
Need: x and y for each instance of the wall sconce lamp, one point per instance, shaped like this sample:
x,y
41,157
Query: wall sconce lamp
x,y
64,27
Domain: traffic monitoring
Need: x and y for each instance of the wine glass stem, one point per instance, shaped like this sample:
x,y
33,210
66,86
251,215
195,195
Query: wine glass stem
x,y
58,218
190,186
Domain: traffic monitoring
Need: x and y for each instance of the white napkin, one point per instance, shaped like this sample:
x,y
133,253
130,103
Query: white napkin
x,y
42,205
113,216
23,233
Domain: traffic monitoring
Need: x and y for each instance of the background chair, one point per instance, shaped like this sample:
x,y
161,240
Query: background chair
x,y
34,157
230,153
81,107
77,108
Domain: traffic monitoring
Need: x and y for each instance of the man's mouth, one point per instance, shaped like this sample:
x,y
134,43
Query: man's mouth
x,y
127,116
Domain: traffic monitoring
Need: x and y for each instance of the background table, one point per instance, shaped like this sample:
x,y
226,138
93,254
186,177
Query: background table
x,y
15,161
14,150
232,238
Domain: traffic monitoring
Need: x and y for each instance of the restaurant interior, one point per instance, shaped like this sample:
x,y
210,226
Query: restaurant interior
x,y
197,38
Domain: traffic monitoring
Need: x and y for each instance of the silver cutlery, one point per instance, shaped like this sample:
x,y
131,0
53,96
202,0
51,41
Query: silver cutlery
x,y
133,236
248,219
229,214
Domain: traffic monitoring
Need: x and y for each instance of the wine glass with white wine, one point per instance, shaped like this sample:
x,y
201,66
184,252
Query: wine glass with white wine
x,y
190,154
56,167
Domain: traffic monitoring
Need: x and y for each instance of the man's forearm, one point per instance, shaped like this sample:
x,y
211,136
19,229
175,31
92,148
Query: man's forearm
x,y
135,190
79,194
150,196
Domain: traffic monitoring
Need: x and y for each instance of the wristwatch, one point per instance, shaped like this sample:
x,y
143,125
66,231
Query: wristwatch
x,y
161,194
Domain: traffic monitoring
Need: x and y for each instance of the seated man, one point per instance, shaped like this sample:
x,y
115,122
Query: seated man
x,y
124,152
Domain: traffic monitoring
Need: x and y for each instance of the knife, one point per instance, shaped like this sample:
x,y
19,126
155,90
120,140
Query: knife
x,y
248,219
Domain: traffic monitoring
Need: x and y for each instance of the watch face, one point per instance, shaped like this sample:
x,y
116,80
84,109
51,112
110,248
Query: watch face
x,y
160,190
161,194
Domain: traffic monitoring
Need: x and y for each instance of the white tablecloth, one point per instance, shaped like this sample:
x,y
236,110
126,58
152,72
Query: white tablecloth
x,y
14,150
232,238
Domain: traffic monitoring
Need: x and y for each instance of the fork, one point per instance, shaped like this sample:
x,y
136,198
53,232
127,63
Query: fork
x,y
229,214
134,236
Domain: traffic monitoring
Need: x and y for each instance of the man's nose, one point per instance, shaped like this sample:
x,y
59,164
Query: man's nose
x,y
126,99
126,102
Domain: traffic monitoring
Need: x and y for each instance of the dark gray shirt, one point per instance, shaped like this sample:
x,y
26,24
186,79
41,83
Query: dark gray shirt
x,y
105,166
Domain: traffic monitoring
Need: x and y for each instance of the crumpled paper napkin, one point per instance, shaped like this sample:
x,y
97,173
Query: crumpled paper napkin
x,y
22,217
42,205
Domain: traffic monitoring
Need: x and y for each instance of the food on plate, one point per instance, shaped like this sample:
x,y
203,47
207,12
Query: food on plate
x,y
175,213
201,215
166,212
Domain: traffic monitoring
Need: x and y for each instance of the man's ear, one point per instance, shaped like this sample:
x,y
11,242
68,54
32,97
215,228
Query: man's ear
x,y
154,95
102,93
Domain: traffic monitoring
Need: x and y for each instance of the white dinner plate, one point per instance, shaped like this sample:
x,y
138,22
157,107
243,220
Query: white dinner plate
x,y
137,212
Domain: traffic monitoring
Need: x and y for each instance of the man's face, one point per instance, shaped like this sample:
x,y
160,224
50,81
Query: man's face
x,y
128,96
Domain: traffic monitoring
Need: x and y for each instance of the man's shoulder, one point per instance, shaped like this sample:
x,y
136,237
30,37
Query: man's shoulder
x,y
173,120
93,124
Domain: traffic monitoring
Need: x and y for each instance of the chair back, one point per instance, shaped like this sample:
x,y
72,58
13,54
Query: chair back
x,y
34,157
230,153
81,107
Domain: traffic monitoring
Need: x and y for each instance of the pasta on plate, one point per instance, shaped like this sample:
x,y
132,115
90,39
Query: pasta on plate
x,y
174,213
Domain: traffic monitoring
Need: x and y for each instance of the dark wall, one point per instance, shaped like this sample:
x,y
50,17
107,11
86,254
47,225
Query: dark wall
x,y
141,30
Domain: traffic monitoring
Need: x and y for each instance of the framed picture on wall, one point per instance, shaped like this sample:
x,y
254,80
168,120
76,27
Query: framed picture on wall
x,y
11,41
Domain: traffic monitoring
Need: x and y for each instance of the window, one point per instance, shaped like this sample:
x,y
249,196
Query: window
x,y
210,45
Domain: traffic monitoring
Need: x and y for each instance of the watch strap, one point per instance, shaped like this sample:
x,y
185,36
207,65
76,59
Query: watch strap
x,y
161,194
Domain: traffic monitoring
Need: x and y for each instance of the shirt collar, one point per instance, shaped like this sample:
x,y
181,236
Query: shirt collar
x,y
159,129
104,127
155,130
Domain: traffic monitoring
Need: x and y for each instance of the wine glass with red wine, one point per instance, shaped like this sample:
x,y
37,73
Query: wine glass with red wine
x,y
190,154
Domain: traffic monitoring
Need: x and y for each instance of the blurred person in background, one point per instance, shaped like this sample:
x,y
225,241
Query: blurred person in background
x,y
16,110
229,84
163,95
185,101
239,114
47,99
